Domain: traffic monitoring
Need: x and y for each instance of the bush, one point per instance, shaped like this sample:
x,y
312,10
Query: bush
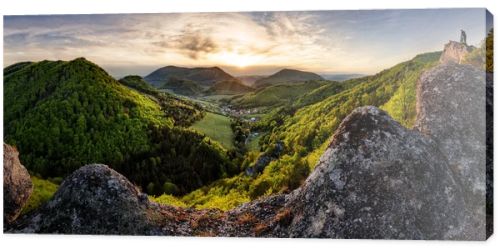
x,y
170,188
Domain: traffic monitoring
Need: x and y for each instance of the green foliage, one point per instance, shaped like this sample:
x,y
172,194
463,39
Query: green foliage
x,y
182,157
216,127
137,83
183,112
228,87
402,105
223,194
241,131
170,188
43,190
167,199
63,115
276,95
287,76
489,43
323,92
253,143
182,86
281,175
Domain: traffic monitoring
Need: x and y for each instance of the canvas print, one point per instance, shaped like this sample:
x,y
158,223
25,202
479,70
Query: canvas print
x,y
356,124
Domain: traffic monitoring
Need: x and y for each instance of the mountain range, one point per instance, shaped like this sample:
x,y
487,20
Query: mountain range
x,y
202,81
196,81
203,76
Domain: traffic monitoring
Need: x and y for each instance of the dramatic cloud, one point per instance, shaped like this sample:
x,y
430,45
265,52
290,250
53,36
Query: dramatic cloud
x,y
191,42
243,43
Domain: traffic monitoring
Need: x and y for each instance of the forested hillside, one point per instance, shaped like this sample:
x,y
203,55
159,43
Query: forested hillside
x,y
305,131
64,114
287,76
204,76
228,87
277,95
183,87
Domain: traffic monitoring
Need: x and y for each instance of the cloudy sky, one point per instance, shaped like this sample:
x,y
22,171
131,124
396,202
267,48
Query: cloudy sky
x,y
241,43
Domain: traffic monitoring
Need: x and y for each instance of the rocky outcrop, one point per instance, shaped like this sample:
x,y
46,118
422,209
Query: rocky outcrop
x,y
451,109
454,52
17,186
379,180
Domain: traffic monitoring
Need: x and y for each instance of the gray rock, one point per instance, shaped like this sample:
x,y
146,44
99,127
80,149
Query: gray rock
x,y
451,109
17,185
379,180
92,200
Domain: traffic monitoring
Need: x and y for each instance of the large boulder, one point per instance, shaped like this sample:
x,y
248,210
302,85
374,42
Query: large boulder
x,y
17,185
379,180
92,200
452,110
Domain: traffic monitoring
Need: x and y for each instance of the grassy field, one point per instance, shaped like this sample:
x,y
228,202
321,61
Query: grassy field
x,y
217,127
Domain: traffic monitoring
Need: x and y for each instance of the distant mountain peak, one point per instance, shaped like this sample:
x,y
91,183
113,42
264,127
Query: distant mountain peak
x,y
287,75
203,76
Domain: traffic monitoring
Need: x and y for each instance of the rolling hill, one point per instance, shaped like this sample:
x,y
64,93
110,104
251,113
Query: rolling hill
x,y
228,87
276,95
183,87
287,76
51,105
342,77
250,79
137,83
203,76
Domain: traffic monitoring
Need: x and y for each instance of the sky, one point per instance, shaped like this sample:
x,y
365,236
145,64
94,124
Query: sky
x,y
242,43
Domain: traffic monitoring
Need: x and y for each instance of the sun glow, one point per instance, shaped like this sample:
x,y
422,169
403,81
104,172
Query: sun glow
x,y
236,59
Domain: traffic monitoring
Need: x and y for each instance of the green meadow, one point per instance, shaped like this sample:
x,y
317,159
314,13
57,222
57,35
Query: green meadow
x,y
216,127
